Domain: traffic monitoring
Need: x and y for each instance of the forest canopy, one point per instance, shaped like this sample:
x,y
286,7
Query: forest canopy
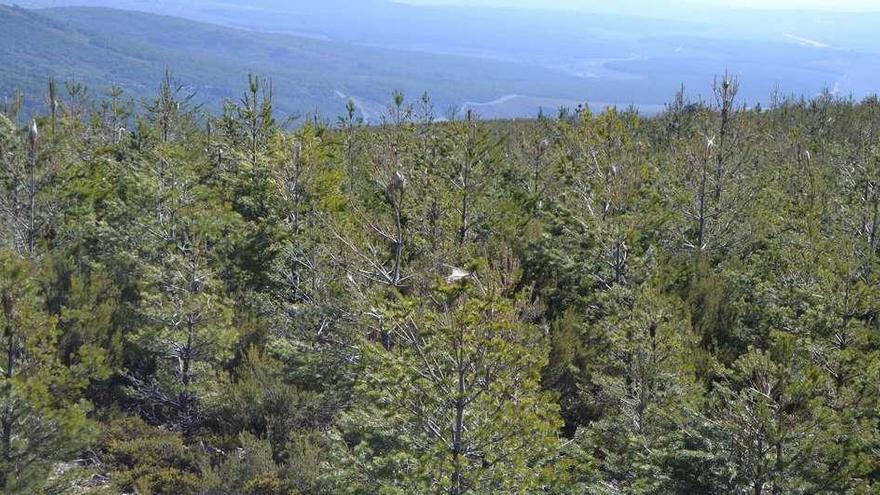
x,y
220,303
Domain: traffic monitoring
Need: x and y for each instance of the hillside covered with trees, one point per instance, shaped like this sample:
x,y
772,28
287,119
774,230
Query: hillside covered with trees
x,y
503,61
104,48
218,303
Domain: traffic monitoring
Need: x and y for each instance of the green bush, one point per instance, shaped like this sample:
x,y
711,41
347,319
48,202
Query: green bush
x,y
149,460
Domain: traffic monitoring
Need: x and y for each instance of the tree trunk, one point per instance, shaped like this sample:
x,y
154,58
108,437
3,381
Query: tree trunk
x,y
6,423
701,216
458,427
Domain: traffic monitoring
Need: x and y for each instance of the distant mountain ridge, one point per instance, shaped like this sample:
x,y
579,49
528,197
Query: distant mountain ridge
x,y
465,57
102,47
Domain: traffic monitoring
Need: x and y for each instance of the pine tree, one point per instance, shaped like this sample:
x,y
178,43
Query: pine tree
x,y
768,418
455,406
43,417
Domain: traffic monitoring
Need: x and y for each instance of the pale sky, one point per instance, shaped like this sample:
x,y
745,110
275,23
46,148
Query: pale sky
x,y
830,5
837,5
